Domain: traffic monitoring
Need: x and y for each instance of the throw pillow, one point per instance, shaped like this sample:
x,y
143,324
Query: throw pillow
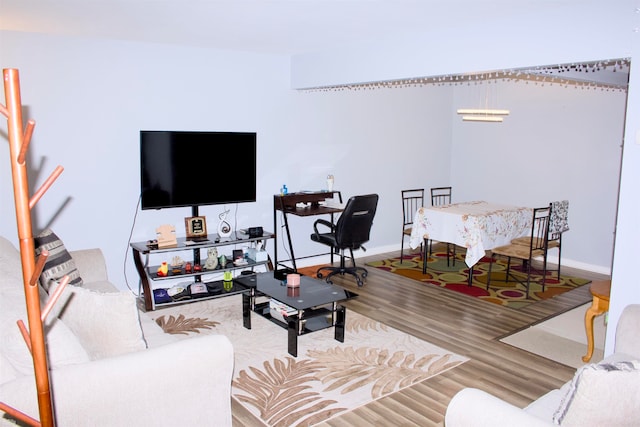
x,y
63,348
602,394
106,323
59,263
10,269
559,221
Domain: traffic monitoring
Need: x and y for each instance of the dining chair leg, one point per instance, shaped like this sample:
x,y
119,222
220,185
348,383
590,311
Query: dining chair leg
x,y
424,256
559,253
488,274
544,271
454,254
449,251
528,278
448,254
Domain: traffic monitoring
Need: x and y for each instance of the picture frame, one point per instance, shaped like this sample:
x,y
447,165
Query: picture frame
x,y
196,226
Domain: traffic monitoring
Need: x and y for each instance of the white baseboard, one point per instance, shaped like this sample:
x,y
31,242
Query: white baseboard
x,y
599,269
587,267
325,259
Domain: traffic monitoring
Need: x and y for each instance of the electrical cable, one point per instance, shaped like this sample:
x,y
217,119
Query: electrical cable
x,y
283,227
126,252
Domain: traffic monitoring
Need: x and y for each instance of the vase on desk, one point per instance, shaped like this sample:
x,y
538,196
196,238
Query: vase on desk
x,y
330,183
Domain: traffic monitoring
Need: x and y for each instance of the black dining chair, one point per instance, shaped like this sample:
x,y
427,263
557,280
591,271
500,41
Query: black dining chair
x,y
558,224
412,200
351,231
537,247
442,196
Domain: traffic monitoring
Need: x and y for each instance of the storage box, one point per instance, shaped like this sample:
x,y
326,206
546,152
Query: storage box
x,y
280,311
257,255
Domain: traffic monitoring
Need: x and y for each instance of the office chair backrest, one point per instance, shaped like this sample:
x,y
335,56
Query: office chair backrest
x,y
354,225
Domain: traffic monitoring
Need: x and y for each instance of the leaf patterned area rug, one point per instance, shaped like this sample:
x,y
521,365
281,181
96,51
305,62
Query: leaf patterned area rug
x,y
326,379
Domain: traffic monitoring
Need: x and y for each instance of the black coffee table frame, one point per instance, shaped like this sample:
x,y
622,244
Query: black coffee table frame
x,y
316,303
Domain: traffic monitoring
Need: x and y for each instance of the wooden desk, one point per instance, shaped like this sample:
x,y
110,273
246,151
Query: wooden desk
x,y
600,290
289,204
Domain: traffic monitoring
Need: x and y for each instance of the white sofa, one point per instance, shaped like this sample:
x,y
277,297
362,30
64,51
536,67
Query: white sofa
x,y
600,394
98,378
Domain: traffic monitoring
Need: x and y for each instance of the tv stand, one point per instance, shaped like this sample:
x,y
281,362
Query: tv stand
x,y
143,252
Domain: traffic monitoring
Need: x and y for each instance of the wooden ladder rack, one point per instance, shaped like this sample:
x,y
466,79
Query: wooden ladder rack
x,y
19,140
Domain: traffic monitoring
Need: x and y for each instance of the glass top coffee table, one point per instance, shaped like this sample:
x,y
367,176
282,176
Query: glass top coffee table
x,y
313,305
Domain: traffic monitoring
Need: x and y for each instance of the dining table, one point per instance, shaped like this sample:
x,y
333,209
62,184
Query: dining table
x,y
477,226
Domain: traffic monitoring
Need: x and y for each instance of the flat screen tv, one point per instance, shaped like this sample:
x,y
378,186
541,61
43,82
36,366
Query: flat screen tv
x,y
183,168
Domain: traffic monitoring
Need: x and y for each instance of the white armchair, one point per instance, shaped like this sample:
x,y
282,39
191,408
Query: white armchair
x,y
614,382
161,382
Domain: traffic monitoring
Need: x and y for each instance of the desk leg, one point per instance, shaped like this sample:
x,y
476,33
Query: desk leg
x,y
275,237
597,308
286,227
470,276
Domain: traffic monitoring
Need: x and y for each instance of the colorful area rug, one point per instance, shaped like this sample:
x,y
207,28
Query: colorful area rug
x,y
327,378
510,294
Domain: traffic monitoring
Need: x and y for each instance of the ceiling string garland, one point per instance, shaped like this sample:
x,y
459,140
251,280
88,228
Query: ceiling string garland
x,y
541,75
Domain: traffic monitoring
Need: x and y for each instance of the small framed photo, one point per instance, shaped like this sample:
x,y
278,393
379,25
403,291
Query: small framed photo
x,y
196,226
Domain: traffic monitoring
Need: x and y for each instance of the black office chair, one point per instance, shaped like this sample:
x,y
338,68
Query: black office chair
x,y
350,231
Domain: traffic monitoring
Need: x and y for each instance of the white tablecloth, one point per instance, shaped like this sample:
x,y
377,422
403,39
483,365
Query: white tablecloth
x,y
476,226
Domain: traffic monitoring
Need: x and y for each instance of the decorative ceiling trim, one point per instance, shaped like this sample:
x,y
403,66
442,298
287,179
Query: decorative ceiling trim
x,y
585,75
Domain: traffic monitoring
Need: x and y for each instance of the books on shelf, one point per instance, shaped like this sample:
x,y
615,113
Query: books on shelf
x,y
280,311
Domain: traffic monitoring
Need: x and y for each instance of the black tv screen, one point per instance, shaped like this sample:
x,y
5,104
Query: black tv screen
x,y
181,168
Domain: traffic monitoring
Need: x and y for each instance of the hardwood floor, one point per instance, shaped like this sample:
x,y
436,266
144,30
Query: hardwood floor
x,y
463,325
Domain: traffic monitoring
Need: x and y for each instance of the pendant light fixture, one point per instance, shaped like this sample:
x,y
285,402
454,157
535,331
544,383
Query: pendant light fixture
x,y
482,115
485,114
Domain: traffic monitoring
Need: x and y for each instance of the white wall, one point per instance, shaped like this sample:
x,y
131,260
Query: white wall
x,y
485,38
372,141
91,98
557,143
625,288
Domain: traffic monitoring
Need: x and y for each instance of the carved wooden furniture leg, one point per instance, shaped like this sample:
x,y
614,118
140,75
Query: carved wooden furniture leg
x,y
600,291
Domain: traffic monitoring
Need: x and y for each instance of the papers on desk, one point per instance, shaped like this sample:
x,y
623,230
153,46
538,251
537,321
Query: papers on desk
x,y
334,203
